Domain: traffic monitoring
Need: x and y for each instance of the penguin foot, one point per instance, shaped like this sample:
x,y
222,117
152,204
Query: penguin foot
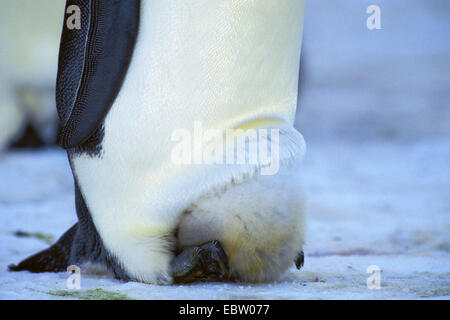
x,y
300,260
207,262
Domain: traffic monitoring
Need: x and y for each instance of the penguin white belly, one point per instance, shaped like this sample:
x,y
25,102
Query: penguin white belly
x,y
225,65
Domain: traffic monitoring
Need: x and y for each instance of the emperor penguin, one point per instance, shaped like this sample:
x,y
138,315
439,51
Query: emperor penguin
x,y
153,97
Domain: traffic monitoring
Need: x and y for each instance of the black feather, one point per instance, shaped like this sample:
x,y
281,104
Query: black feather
x,y
93,61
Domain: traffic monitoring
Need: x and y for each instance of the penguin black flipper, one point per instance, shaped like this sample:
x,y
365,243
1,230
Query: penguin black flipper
x,y
92,64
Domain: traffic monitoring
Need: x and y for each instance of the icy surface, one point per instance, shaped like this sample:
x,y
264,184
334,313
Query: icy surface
x,y
384,204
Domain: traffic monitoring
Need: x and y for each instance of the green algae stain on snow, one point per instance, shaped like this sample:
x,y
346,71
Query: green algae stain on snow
x,y
92,294
48,238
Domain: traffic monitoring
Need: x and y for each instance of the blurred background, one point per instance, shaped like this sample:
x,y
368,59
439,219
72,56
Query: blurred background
x,y
392,83
29,41
374,107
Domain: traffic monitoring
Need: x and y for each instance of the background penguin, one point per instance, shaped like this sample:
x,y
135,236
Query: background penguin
x,y
135,73
29,35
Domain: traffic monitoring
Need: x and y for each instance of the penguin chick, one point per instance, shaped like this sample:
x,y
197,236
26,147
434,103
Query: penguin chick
x,y
260,224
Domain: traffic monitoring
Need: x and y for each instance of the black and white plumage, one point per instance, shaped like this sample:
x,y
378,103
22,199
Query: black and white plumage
x,y
129,81
91,67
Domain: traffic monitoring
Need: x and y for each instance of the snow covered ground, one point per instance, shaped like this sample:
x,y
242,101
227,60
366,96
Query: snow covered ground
x,y
383,204
374,109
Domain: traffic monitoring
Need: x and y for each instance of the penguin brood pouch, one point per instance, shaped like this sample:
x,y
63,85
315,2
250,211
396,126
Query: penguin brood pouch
x,y
177,118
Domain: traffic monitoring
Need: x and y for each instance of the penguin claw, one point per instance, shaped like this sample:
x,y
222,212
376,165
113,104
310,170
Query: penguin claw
x,y
207,262
300,260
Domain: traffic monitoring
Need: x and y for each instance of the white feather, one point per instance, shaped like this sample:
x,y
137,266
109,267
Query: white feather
x,y
226,64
